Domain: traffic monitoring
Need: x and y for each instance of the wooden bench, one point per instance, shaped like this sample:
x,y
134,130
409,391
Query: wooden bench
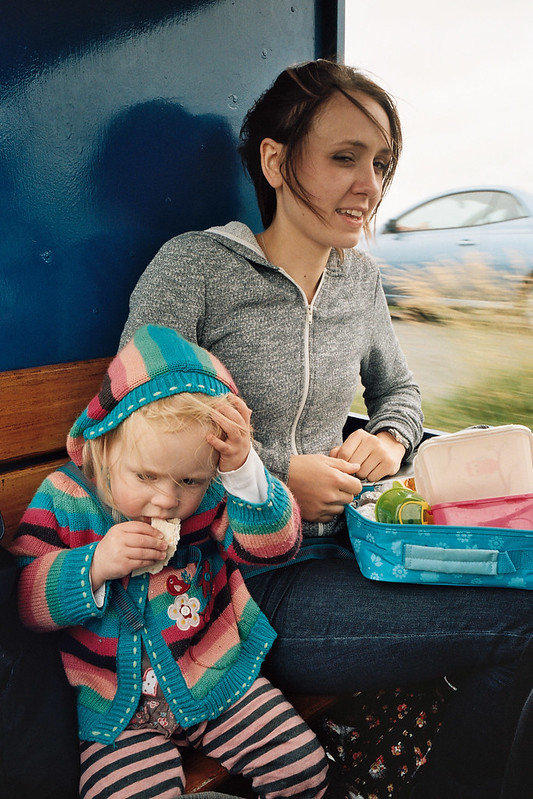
x,y
37,408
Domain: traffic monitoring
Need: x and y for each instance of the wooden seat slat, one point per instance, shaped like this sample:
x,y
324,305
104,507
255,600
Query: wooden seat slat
x,y
17,488
37,408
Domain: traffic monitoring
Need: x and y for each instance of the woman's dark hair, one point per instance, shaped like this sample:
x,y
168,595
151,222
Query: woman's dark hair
x,y
285,113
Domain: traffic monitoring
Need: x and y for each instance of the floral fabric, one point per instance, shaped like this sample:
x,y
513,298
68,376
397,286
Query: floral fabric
x,y
380,740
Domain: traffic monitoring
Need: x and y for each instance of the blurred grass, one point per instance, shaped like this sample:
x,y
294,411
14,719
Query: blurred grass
x,y
468,291
469,371
503,397
473,365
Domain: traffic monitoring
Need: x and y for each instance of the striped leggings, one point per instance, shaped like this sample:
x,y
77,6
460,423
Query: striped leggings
x,y
261,737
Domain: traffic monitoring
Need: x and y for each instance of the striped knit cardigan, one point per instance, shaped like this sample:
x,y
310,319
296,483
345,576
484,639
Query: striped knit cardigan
x,y
206,645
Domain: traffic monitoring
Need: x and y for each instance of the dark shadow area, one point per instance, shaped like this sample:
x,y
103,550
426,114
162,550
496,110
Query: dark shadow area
x,y
164,170
157,172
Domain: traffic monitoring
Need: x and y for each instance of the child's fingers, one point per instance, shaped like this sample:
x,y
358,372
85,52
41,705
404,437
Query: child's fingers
x,y
125,547
224,447
145,554
151,545
234,410
136,533
238,403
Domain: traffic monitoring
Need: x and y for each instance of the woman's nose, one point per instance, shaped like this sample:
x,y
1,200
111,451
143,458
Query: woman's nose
x,y
367,181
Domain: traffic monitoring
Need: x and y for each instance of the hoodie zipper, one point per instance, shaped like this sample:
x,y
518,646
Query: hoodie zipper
x,y
307,372
309,309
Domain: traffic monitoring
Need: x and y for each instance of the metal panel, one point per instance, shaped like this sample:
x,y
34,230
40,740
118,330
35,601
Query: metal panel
x,y
119,122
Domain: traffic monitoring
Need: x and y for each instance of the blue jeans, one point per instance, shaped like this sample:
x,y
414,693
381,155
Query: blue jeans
x,y
340,633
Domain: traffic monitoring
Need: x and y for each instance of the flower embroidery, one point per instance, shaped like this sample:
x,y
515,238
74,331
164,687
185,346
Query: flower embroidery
x,y
184,611
496,542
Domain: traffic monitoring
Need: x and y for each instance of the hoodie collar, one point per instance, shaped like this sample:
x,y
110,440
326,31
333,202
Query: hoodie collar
x,y
238,236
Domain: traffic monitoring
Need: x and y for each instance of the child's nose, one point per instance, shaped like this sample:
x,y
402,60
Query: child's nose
x,y
165,498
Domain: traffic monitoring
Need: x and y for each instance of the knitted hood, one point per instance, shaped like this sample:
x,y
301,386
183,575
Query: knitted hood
x,y
157,362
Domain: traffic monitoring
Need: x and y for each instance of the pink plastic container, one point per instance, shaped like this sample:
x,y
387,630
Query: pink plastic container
x,y
475,464
515,512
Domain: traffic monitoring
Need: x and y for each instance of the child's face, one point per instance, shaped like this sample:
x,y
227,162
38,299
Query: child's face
x,y
159,474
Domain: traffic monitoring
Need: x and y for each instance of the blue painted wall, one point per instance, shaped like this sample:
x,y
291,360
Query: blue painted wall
x,y
118,128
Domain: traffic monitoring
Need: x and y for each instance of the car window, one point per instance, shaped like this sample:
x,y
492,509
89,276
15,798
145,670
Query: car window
x,y
463,209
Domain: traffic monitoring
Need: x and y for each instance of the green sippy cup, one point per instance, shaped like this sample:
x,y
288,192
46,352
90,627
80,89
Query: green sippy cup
x,y
400,505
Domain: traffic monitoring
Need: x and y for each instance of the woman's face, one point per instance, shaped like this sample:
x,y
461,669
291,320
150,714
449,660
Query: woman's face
x,y
342,166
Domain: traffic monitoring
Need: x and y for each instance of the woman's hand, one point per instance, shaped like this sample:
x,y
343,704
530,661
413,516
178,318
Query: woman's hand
x,y
125,547
234,420
377,455
322,485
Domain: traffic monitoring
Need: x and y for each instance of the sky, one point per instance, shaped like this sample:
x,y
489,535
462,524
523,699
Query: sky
x,y
461,73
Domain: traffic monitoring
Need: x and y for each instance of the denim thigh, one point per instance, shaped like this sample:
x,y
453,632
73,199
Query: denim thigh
x,y
340,632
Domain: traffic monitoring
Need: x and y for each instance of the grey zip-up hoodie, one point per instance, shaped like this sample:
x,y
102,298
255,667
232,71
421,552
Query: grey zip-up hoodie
x,y
296,364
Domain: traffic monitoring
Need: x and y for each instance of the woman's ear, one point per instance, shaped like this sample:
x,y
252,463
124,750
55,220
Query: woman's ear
x,y
271,157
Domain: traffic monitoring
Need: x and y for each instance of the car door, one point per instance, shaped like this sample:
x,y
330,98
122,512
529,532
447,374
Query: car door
x,y
487,227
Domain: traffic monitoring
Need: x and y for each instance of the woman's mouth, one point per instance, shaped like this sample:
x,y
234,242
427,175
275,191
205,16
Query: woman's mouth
x,y
351,212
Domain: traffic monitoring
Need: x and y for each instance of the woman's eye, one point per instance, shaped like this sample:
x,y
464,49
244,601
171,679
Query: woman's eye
x,y
145,477
343,158
381,166
189,481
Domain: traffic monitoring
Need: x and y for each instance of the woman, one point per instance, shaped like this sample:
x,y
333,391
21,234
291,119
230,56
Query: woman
x,y
299,316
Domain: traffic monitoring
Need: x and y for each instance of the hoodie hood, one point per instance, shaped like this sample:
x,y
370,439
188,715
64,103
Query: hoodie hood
x,y
157,362
238,237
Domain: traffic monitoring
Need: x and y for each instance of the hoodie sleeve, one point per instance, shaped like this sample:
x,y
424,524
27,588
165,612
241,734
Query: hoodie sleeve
x,y
54,549
391,395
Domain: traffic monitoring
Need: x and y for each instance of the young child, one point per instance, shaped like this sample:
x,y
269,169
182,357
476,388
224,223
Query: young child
x,y
165,654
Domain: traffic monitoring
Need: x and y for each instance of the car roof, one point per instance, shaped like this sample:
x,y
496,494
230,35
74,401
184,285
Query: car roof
x,y
525,197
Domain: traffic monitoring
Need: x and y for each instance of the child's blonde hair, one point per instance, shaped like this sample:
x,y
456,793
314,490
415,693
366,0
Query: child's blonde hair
x,y
169,414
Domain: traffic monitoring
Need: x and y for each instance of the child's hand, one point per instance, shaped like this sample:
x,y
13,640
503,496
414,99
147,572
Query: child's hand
x,y
125,547
234,420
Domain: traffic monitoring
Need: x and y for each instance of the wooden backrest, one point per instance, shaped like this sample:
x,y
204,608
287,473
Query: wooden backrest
x,y
37,409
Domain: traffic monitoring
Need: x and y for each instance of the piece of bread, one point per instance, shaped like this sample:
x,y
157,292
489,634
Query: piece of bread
x,y
171,532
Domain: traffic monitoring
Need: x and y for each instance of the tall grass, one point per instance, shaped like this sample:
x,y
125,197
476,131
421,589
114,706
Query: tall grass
x,y
467,291
493,312
480,370
504,397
